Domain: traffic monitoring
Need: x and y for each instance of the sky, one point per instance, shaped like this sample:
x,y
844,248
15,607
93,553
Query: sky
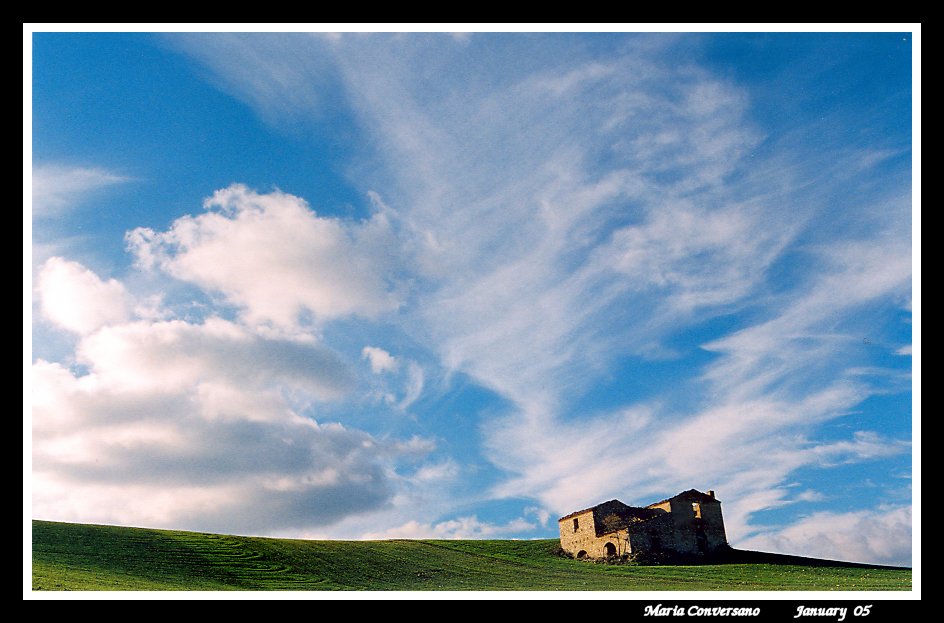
x,y
458,285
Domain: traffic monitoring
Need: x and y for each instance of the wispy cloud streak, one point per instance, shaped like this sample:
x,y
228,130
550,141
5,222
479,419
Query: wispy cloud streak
x,y
58,187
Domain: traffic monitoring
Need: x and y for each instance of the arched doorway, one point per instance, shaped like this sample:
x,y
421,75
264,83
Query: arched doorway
x,y
582,553
609,550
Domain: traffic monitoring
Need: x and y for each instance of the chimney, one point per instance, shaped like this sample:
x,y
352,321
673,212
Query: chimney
x,y
711,493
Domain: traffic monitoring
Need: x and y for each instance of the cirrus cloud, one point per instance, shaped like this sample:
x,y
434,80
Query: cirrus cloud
x,y
57,187
205,426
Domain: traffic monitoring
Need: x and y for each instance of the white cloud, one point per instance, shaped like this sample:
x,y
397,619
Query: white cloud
x,y
398,381
152,308
287,80
904,350
172,355
871,535
810,495
436,473
380,360
800,343
194,427
461,528
772,384
865,445
542,514
507,219
649,455
698,257
57,187
75,298
414,385
273,257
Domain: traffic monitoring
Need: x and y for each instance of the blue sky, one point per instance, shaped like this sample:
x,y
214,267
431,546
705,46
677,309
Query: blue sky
x,y
378,285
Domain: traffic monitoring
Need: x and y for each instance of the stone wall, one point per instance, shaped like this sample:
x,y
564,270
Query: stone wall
x,y
584,538
698,526
653,535
714,526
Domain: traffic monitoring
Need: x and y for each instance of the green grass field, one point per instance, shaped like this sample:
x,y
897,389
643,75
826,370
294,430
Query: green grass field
x,y
97,558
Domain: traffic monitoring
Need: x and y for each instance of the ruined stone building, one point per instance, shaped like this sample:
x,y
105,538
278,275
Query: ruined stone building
x,y
689,523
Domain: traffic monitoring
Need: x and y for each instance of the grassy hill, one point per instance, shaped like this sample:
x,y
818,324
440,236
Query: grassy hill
x,y
92,558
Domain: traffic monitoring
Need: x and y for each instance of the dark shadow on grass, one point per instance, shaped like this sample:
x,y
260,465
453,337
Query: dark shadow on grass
x,y
743,556
732,556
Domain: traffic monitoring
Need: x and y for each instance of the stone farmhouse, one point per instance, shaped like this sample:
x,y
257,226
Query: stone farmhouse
x,y
689,523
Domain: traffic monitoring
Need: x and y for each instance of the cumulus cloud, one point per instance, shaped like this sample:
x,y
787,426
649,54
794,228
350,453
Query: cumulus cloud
x,y
273,257
199,426
174,354
56,187
204,426
75,298
879,535
380,360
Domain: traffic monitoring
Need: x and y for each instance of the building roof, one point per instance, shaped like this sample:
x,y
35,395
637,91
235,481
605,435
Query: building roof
x,y
587,510
630,514
635,512
691,494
